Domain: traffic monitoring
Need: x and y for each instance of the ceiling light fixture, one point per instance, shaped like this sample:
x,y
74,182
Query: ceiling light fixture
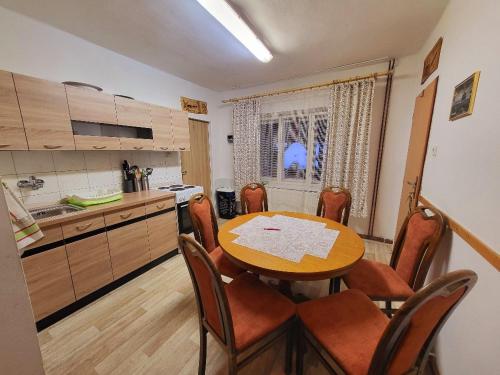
x,y
226,15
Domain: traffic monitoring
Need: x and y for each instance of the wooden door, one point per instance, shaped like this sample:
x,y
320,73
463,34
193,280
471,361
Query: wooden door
x,y
44,108
180,130
162,231
132,112
196,162
417,149
12,136
161,121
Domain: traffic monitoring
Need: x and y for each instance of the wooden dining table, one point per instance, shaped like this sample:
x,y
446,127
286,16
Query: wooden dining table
x,y
346,251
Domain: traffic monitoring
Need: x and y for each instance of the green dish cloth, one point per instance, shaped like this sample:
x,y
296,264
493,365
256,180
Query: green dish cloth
x,y
84,202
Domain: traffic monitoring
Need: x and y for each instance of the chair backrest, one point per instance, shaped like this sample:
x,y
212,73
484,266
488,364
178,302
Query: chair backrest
x,y
335,204
407,340
253,198
417,244
204,221
211,299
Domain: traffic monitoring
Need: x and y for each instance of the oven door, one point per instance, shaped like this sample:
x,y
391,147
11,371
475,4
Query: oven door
x,y
185,224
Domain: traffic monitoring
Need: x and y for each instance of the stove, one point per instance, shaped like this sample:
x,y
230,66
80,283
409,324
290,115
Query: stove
x,y
182,192
182,195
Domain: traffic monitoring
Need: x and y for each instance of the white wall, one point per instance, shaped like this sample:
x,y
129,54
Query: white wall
x,y
394,157
33,48
464,178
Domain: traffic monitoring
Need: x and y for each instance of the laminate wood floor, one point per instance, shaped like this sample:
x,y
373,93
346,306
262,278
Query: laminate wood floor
x,y
149,326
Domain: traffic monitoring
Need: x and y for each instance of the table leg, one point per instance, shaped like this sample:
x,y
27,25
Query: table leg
x,y
285,287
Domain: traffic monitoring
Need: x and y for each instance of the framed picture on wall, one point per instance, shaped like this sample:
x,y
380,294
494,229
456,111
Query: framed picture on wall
x,y
464,96
431,61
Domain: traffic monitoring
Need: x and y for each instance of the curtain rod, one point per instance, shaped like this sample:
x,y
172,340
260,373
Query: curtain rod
x,y
311,87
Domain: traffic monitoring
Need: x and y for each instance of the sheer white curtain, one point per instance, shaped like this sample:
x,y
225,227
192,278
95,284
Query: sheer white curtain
x,y
347,151
246,142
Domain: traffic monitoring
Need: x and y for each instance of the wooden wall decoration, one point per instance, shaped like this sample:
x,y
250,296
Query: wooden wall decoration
x,y
431,61
194,106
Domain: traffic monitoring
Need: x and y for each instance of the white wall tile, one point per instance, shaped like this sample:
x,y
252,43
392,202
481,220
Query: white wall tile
x,y
97,160
68,160
116,159
6,163
69,181
159,159
80,192
140,158
50,185
42,199
99,179
33,161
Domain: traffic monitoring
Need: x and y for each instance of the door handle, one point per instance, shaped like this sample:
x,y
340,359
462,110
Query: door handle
x,y
184,173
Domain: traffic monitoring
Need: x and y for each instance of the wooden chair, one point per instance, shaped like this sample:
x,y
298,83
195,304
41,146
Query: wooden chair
x,y
413,251
245,316
334,204
206,229
253,198
352,336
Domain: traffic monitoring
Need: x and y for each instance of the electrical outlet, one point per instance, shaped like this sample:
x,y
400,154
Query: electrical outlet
x,y
434,151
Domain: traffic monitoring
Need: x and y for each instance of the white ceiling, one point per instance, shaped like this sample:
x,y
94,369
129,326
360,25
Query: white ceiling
x,y
305,36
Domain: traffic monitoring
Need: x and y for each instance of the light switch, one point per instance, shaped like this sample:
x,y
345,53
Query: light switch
x,y
434,151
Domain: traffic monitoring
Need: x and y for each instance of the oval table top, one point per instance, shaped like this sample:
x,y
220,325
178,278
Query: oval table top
x,y
347,250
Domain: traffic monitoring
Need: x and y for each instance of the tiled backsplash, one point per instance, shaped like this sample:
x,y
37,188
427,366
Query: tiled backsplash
x,y
80,172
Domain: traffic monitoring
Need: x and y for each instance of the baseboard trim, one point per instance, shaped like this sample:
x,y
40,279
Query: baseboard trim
x,y
375,238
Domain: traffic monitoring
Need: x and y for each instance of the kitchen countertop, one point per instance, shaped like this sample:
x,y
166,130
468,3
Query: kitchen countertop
x,y
129,199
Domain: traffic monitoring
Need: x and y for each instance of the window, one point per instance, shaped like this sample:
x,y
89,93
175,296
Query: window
x,y
292,146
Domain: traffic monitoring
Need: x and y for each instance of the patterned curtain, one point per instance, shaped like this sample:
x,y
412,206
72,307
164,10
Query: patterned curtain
x,y
246,141
346,159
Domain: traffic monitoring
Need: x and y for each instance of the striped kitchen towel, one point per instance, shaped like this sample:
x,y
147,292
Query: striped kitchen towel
x,y
25,227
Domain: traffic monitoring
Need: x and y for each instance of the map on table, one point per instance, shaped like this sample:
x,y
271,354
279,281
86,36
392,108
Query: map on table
x,y
286,237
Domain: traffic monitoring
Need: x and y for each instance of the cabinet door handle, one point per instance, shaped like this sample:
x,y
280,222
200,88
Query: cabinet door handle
x,y
182,148
163,148
3,146
99,147
49,147
123,216
160,206
83,227
138,147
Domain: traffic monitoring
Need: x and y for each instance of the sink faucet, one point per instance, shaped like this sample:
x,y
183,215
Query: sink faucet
x,y
33,183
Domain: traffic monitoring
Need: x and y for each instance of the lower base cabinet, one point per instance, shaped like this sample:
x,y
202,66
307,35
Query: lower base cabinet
x,y
129,248
90,264
162,231
49,281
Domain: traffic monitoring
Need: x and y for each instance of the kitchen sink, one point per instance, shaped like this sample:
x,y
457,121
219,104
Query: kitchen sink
x,y
56,210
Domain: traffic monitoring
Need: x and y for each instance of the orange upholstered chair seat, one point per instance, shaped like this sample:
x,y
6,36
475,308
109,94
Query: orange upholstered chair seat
x,y
377,280
254,200
348,325
256,309
223,264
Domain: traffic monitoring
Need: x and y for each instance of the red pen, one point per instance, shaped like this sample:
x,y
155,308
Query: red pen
x,y
272,229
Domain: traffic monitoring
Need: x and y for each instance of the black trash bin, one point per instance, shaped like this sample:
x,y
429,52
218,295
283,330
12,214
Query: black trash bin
x,y
226,202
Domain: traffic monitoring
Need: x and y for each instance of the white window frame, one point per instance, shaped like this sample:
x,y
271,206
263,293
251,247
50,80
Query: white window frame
x,y
280,181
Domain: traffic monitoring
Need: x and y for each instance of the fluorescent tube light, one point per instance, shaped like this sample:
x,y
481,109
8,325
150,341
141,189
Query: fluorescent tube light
x,y
226,15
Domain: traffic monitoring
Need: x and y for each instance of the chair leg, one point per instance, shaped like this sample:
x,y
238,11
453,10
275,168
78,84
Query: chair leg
x,y
334,285
232,367
289,349
388,309
203,351
299,364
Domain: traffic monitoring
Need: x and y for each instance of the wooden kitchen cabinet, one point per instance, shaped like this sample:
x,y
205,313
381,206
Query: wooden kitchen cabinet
x,y
132,112
44,109
89,105
162,233
129,248
90,264
137,144
161,122
12,136
49,281
91,142
180,129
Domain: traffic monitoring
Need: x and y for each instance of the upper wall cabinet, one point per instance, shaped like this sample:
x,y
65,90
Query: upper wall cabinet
x,y
44,108
133,113
90,105
12,135
180,127
161,121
